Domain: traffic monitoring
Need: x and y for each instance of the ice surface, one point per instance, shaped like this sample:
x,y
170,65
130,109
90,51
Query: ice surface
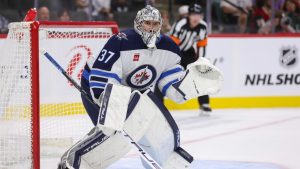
x,y
231,139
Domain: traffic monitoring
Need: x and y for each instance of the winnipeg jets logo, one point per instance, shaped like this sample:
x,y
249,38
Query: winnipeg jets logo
x,y
121,36
142,76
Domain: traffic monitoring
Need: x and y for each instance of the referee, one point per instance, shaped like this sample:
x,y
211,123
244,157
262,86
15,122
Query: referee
x,y
190,34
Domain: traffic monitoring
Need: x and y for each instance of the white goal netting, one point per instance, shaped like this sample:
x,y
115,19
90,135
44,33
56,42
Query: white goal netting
x,y
62,117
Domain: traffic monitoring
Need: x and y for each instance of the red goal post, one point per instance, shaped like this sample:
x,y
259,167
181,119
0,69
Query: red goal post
x,y
38,106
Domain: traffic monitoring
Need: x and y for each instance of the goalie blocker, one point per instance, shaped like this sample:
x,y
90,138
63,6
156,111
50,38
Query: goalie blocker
x,y
152,127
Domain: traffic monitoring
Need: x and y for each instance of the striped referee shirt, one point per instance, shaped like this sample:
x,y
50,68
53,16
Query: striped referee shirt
x,y
187,38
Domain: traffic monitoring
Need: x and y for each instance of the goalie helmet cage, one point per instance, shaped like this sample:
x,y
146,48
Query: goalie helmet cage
x,y
38,107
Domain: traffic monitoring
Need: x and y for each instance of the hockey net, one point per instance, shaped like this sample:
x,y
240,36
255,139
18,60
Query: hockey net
x,y
41,114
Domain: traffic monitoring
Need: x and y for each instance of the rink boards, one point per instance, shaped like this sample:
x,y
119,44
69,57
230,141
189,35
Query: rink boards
x,y
259,71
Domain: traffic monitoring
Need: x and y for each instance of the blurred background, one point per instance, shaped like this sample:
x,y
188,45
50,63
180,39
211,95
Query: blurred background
x,y
222,16
255,43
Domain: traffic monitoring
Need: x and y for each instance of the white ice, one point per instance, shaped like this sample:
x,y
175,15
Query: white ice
x,y
232,139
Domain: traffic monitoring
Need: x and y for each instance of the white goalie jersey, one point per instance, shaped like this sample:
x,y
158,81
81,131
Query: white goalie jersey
x,y
126,60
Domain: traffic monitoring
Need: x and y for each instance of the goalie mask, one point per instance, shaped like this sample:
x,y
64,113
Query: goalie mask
x,y
151,35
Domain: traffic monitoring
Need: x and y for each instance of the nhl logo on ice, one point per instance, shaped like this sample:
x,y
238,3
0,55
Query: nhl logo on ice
x,y
141,77
288,56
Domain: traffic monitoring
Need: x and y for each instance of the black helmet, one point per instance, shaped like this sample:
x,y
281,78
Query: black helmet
x,y
195,8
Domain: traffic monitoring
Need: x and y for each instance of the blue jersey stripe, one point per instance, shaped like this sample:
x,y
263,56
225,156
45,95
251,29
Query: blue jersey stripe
x,y
86,74
169,72
105,74
166,87
97,84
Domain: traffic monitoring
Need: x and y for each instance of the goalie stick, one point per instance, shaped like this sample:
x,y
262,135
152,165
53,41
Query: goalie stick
x,y
143,153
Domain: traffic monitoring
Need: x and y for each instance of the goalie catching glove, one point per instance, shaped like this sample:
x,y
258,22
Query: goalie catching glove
x,y
201,78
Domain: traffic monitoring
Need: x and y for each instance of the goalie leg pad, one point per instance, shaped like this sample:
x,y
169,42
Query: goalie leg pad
x,y
96,150
105,154
179,159
71,158
140,115
162,139
113,106
139,119
113,103
104,150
